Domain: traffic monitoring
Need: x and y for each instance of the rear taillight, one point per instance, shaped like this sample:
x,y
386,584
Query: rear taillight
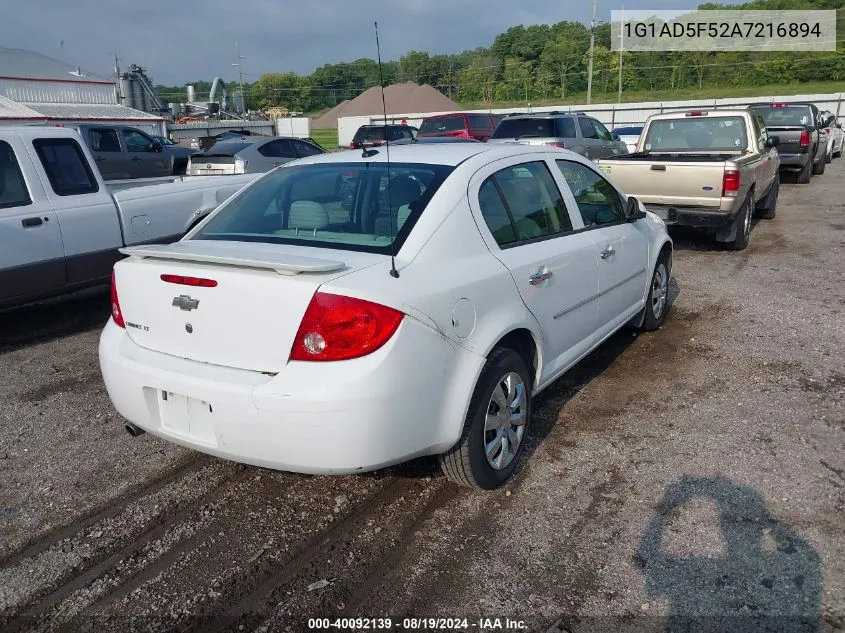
x,y
340,328
827,130
805,139
198,282
116,314
730,183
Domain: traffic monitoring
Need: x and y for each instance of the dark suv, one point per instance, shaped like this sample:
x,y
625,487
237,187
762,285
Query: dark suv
x,y
381,134
571,130
477,125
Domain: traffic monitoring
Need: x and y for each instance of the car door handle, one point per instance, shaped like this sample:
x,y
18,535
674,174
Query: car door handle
x,y
607,252
100,159
539,277
28,222
135,158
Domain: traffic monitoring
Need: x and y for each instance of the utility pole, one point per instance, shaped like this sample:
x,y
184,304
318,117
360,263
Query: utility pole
x,y
240,74
621,45
592,47
120,97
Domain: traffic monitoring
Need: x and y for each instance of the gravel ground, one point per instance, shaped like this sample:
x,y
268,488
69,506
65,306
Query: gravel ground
x,y
689,479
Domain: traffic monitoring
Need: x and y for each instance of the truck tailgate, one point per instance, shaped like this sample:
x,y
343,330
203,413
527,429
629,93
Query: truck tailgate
x,y
693,183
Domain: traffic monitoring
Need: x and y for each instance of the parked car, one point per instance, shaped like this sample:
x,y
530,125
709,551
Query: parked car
x,y
249,156
629,135
709,170
126,152
376,135
577,132
61,224
307,323
836,137
800,130
477,125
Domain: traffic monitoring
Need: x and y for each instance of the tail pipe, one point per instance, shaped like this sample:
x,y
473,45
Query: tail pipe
x,y
133,430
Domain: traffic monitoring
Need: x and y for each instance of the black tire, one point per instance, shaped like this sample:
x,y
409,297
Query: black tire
x,y
828,157
769,205
658,294
805,174
743,225
466,463
818,168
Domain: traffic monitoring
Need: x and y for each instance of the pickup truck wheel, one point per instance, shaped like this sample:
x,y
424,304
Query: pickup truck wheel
x,y
657,302
769,204
743,224
496,424
805,174
818,168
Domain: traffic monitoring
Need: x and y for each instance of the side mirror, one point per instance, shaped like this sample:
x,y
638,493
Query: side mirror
x,y
154,147
773,141
632,210
614,136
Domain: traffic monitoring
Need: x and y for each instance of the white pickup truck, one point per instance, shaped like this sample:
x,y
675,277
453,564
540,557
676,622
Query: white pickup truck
x,y
61,226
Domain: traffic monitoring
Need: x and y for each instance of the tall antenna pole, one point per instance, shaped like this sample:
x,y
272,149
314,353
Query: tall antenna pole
x,y
240,73
592,47
117,80
621,45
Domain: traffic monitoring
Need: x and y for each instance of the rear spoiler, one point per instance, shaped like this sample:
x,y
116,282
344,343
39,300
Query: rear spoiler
x,y
283,264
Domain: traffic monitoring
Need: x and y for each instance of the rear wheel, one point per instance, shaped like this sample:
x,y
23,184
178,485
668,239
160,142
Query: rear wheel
x,y
805,174
496,424
743,225
769,204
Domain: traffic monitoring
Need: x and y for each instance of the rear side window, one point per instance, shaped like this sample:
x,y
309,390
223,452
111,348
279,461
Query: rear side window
x,y
479,121
103,140
527,195
66,167
13,191
533,127
443,124
598,202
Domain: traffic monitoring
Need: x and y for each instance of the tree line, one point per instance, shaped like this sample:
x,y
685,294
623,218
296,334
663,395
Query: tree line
x,y
546,62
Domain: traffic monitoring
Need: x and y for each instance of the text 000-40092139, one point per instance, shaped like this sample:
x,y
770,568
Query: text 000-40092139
x,y
644,30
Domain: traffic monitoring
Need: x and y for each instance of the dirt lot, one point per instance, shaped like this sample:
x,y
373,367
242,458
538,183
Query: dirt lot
x,y
688,479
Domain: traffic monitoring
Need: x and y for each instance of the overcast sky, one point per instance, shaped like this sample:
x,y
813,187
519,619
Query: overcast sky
x,y
192,40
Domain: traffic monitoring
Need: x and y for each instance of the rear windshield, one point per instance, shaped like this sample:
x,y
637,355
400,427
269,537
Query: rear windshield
x,y
787,115
535,127
628,131
370,134
697,134
443,124
333,205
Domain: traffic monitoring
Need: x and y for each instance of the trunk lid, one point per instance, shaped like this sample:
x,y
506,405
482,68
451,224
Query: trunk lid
x,y
680,180
211,165
248,320
789,138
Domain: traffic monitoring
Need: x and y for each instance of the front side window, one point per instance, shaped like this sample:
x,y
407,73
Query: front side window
x,y
66,167
349,206
137,142
587,129
598,202
522,203
277,149
443,124
601,131
104,140
306,149
529,127
479,121
13,191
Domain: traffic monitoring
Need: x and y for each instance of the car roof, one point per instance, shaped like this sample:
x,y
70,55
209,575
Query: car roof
x,y
433,153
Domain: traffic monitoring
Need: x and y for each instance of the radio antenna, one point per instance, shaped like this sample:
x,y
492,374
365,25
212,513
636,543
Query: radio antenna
x,y
393,272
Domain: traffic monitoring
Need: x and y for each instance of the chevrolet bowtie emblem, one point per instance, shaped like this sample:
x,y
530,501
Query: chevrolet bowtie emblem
x,y
184,302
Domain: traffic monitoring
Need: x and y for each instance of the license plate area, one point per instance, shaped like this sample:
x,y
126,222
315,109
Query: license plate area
x,y
189,417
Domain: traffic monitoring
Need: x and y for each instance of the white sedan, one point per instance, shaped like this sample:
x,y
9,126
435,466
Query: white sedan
x,y
345,312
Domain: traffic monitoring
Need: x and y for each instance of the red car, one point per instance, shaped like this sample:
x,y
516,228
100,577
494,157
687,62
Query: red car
x,y
477,125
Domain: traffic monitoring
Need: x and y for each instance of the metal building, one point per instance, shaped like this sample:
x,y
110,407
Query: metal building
x,y
38,89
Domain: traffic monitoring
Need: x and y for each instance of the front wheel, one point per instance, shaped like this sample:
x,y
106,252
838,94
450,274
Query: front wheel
x,y
806,173
657,302
495,426
818,168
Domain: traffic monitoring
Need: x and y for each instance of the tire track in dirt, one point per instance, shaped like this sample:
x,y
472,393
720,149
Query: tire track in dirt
x,y
74,579
106,510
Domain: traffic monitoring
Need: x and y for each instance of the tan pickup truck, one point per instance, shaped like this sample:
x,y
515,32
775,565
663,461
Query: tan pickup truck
x,y
710,170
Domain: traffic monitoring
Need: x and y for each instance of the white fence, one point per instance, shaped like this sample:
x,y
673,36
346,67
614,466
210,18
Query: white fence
x,y
611,114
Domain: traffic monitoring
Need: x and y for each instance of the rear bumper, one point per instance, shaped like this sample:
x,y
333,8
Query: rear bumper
x,y
698,217
405,400
793,162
